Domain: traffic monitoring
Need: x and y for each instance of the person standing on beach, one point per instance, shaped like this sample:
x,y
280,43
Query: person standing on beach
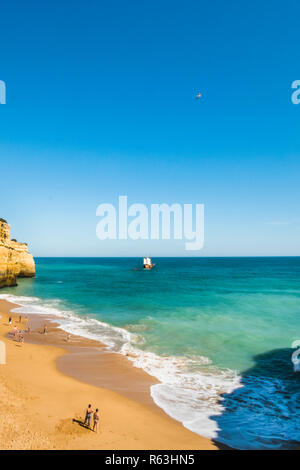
x,y
88,415
45,329
96,419
20,319
9,320
15,332
21,337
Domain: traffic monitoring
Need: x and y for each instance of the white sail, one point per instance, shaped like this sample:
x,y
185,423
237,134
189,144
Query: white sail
x,y
149,261
145,261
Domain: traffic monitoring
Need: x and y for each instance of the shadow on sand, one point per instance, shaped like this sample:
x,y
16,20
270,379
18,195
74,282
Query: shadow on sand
x,y
265,412
81,423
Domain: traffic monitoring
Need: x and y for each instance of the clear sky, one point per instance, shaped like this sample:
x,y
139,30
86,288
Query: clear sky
x,y
101,103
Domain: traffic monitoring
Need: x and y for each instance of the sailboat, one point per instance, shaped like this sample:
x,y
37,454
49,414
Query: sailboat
x,y
148,263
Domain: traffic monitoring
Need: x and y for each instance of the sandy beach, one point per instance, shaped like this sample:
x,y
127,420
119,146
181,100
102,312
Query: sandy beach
x,y
47,382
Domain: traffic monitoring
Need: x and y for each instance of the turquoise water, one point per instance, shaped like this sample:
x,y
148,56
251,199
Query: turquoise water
x,y
203,326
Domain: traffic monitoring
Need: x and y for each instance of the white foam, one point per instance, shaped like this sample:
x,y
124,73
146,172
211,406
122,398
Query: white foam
x,y
185,393
71,322
190,388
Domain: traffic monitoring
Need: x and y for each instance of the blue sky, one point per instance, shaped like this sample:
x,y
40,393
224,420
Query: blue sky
x,y
101,95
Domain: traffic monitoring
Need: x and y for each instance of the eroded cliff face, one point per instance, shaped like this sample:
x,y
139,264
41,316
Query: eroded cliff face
x,y
15,260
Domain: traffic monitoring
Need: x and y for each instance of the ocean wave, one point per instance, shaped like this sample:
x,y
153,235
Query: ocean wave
x,y
246,413
189,387
72,322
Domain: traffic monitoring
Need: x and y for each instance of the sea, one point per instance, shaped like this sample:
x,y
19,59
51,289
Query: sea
x,y
217,333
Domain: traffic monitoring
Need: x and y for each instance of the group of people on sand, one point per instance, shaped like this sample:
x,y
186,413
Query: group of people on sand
x,y
20,319
89,413
19,333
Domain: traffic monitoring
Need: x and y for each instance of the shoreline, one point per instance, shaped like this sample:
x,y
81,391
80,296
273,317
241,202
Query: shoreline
x,y
60,374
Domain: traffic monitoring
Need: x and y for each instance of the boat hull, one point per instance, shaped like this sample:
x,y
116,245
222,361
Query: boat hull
x,y
149,266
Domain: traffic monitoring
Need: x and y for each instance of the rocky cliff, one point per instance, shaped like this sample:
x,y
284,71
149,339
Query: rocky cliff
x,y
15,260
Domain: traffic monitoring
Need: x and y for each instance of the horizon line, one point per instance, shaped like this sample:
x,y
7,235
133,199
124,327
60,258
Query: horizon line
x,y
186,257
